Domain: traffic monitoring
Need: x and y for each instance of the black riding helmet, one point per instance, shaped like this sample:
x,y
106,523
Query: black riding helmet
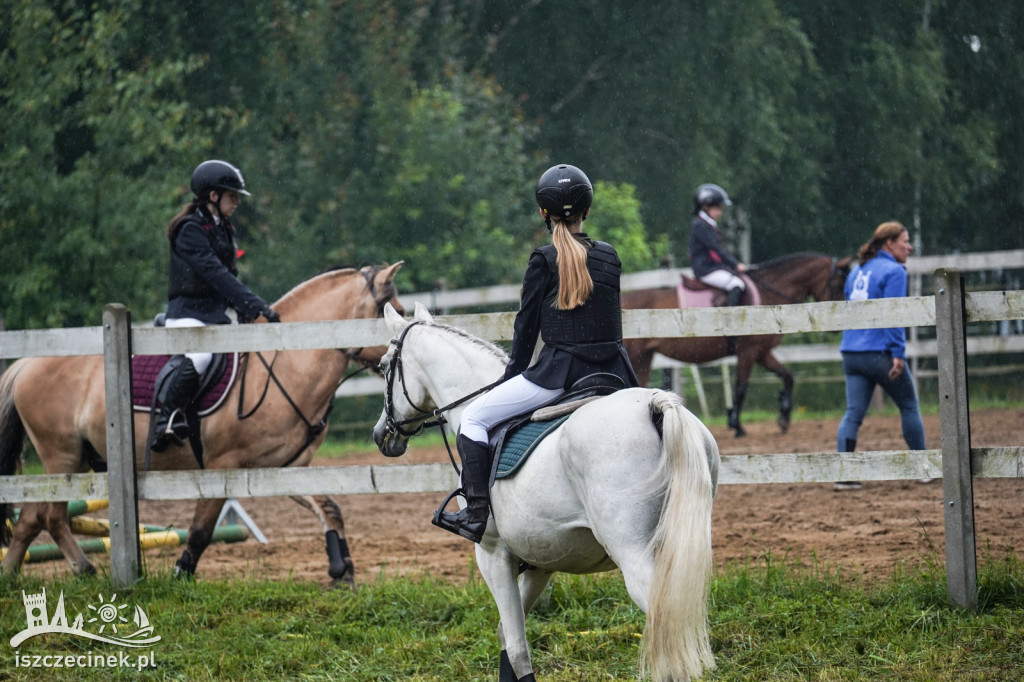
x,y
215,174
709,195
564,191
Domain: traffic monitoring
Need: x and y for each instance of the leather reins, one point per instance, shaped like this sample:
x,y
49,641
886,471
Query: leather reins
x,y
312,430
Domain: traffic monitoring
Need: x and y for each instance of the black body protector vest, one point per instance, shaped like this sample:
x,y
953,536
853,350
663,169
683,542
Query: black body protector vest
x,y
592,331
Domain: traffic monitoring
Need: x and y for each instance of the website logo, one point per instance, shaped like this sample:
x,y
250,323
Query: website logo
x,y
105,621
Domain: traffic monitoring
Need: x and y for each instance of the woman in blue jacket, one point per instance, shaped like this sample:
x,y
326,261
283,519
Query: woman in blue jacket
x,y
877,357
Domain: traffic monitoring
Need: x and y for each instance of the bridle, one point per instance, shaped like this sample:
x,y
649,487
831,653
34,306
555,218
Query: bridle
x,y
396,368
833,292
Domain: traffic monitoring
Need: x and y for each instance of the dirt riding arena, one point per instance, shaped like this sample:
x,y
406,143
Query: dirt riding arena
x,y
868,531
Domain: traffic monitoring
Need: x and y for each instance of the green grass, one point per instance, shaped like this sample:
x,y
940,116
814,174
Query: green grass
x,y
769,621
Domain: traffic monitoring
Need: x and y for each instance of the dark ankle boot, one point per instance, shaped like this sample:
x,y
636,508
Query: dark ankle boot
x,y
734,296
470,522
174,393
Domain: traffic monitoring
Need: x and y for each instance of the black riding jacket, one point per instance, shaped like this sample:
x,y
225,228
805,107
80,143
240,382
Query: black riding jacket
x,y
204,273
577,342
706,252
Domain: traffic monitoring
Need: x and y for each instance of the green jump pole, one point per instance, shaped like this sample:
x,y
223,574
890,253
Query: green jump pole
x,y
168,538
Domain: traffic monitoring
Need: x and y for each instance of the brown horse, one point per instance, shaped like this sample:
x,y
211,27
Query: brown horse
x,y
59,403
790,279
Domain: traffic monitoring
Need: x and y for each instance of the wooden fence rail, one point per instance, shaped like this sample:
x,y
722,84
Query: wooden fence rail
x,y
957,462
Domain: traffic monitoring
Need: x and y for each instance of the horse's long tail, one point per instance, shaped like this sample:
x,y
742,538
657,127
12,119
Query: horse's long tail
x,y
676,641
12,442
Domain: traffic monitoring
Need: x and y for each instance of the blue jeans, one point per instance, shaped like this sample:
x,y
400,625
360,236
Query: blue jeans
x,y
863,372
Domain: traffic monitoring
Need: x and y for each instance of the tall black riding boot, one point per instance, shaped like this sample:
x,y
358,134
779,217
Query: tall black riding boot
x,y
470,522
175,393
734,296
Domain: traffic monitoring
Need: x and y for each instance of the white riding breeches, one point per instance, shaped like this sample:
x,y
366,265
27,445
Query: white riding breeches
x,y
723,279
505,400
200,360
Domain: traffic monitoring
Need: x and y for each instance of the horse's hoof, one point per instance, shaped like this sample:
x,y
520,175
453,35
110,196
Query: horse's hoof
x,y
740,432
86,569
347,584
783,425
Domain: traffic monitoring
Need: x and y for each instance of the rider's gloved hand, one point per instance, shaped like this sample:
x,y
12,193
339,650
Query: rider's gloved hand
x,y
270,314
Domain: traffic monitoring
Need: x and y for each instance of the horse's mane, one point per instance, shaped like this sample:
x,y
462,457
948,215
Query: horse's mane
x,y
331,268
788,259
312,281
493,348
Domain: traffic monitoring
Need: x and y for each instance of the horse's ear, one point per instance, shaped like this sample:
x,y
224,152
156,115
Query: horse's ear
x,y
395,321
422,314
388,273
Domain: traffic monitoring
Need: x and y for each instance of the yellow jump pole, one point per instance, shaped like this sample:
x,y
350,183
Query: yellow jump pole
x,y
87,525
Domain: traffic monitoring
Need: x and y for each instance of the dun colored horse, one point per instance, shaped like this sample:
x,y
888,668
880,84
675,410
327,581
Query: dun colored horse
x,y
58,402
790,279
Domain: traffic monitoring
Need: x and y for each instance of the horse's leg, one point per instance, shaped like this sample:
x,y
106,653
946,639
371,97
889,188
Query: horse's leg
x,y
531,586
340,566
55,517
30,522
498,568
200,533
641,356
772,364
744,363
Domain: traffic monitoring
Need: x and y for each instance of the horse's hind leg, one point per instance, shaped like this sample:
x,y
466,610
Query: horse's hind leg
x,y
59,527
340,566
772,364
25,531
53,517
200,533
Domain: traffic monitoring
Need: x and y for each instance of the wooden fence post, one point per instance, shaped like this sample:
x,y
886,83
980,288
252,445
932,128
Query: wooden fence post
x,y
125,553
954,415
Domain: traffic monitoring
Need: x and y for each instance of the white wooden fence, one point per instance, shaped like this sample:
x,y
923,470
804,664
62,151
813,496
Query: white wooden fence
x,y
917,267
949,311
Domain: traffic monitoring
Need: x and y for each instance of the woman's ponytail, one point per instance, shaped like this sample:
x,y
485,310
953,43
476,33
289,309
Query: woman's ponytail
x,y
186,210
575,284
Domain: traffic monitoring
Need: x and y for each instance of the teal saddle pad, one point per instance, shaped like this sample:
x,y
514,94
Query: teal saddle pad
x,y
517,447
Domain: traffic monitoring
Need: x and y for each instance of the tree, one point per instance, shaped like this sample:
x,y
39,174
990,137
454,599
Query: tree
x,y
88,132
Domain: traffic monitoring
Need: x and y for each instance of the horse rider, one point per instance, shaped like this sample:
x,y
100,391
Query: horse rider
x,y
570,299
711,263
203,284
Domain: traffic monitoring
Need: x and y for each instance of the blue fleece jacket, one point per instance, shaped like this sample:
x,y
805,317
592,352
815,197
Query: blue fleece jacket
x,y
880,277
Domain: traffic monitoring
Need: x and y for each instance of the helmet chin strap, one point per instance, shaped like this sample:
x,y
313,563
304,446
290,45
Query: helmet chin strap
x,y
220,197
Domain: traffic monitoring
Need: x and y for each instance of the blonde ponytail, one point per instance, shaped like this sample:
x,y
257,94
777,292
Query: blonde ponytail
x,y
575,284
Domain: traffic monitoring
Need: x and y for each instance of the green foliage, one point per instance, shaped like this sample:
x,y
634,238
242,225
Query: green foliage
x,y
89,129
768,620
379,130
615,218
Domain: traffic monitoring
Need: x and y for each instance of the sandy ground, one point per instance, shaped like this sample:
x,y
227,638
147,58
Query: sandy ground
x,y
867,532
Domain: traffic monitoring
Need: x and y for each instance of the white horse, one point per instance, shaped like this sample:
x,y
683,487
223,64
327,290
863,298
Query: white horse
x,y
627,481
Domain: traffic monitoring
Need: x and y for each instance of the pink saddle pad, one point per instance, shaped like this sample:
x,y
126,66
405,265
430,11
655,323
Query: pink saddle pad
x,y
704,297
145,369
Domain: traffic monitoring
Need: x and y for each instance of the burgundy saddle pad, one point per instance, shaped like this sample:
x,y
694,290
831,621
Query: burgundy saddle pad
x,y
145,369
